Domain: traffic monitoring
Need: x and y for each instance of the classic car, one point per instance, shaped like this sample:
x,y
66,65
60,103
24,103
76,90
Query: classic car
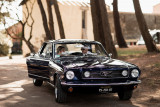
x,y
67,64
155,34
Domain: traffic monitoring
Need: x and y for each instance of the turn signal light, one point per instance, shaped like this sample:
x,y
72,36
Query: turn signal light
x,y
70,89
135,87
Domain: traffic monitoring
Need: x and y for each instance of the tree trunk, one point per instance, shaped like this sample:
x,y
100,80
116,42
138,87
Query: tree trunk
x,y
51,23
44,18
101,26
59,19
30,46
150,44
95,20
28,43
120,39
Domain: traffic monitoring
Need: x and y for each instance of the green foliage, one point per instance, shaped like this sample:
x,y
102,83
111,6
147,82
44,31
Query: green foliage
x,y
3,50
157,65
19,34
2,15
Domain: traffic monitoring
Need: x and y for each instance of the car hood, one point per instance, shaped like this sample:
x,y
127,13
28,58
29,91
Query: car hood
x,y
103,62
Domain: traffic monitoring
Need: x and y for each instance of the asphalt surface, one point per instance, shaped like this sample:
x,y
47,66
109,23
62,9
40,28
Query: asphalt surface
x,y
17,90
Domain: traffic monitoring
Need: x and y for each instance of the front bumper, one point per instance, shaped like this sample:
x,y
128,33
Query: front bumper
x,y
100,84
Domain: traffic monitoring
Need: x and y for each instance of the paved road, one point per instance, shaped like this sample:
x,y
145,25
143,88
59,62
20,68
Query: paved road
x,y
17,90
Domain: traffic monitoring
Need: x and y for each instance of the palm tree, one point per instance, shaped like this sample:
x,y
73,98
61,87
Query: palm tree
x,y
150,44
120,39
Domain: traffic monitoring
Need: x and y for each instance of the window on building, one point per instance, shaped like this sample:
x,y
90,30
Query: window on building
x,y
83,19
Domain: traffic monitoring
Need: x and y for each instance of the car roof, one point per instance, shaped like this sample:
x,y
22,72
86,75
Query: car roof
x,y
73,41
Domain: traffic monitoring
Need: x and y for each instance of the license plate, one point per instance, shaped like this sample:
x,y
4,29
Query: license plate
x,y
105,89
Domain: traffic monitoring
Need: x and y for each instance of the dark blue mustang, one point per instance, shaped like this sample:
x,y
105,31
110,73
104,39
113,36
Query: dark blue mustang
x,y
67,64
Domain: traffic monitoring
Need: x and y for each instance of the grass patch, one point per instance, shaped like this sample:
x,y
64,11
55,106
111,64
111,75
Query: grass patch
x,y
131,51
157,65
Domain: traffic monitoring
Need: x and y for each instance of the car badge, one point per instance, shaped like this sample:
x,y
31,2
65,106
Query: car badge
x,y
106,73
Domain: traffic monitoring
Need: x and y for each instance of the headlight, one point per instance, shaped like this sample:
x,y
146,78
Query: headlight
x,y
70,75
134,73
87,74
124,73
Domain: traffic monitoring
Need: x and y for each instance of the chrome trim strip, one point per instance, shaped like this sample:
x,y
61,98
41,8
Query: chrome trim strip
x,y
40,59
37,76
102,84
51,84
104,78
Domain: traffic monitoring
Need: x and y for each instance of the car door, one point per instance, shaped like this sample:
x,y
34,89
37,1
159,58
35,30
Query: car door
x,y
44,56
32,64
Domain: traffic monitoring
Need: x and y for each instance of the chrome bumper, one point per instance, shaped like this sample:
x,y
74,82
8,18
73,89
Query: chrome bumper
x,y
100,84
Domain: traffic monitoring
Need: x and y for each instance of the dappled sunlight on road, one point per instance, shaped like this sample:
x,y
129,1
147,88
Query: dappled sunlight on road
x,y
15,60
17,89
12,79
9,93
13,87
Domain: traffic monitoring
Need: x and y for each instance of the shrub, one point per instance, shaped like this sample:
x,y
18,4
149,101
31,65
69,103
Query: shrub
x,y
4,50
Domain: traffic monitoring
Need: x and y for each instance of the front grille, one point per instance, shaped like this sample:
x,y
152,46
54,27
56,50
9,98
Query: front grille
x,y
106,74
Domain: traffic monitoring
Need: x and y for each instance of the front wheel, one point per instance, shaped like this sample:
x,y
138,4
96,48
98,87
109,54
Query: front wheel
x,y
60,94
37,82
125,94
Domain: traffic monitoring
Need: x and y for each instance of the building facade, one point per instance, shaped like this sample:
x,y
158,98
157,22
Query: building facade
x,y
77,22
156,9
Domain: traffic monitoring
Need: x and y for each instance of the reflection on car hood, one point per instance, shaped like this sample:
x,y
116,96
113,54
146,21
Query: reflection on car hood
x,y
93,62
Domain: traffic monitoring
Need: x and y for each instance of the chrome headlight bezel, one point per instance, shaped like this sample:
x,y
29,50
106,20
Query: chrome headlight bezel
x,y
135,73
87,74
125,73
70,75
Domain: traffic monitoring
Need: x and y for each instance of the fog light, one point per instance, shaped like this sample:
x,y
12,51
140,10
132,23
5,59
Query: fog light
x,y
124,73
87,74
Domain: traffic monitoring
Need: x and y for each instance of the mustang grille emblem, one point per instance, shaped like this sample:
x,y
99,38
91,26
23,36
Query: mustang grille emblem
x,y
106,73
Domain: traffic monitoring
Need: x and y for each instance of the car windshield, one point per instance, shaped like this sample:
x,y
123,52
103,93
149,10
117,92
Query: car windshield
x,y
79,49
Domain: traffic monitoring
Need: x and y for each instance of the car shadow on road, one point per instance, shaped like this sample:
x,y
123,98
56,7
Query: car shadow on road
x,y
17,90
43,96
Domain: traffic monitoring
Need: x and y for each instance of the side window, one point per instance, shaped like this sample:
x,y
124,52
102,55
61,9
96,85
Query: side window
x,y
46,51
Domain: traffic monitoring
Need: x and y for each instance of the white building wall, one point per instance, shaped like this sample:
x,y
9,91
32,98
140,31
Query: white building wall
x,y
72,21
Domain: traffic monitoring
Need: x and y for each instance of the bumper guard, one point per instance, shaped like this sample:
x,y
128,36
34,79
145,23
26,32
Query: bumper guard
x,y
100,84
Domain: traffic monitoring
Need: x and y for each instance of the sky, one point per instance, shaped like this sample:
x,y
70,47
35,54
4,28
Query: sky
x,y
123,6
127,5
13,9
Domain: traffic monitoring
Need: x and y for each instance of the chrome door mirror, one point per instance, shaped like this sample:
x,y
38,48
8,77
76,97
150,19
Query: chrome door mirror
x,y
32,54
110,55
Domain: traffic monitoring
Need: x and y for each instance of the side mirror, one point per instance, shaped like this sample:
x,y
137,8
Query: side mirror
x,y
110,55
32,54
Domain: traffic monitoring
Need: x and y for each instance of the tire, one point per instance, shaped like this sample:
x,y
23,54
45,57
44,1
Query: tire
x,y
60,94
125,94
37,82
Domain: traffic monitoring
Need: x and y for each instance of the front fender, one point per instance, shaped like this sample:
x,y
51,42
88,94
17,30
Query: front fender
x,y
55,71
